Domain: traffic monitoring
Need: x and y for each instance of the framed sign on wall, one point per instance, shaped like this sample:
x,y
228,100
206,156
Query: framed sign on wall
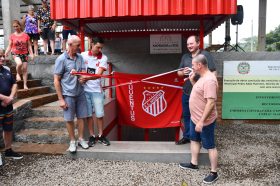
x,y
165,43
251,90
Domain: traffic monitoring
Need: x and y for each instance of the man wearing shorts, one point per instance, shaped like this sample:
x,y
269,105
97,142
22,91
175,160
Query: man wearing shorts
x,y
193,44
96,63
70,91
203,116
65,33
46,26
8,88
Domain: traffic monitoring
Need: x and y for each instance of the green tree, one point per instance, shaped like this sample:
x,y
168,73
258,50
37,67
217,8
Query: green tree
x,y
246,44
273,40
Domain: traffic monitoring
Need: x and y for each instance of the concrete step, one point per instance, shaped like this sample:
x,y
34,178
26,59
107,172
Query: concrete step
x,y
42,99
166,152
53,149
35,91
29,76
50,123
47,111
42,136
30,83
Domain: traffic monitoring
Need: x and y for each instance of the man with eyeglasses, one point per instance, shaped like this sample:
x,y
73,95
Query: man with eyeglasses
x,y
8,89
70,91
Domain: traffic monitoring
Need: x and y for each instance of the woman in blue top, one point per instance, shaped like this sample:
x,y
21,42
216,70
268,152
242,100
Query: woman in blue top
x,y
29,21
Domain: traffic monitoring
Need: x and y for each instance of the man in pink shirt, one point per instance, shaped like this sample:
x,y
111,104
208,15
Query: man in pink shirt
x,y
203,116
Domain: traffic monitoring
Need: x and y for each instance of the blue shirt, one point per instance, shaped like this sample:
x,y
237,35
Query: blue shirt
x,y
69,83
6,83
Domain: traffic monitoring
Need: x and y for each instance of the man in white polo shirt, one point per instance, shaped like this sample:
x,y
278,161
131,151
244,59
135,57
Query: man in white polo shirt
x,y
96,63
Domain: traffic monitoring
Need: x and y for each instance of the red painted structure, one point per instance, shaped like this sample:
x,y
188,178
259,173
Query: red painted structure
x,y
84,9
113,18
127,18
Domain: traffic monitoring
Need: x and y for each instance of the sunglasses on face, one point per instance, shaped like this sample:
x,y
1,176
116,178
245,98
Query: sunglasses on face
x,y
2,56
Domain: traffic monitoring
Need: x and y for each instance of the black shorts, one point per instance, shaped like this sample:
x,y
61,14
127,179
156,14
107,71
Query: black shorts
x,y
23,57
34,36
65,33
47,33
57,51
7,121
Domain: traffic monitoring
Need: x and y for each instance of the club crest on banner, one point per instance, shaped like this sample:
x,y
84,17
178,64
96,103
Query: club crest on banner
x,y
154,103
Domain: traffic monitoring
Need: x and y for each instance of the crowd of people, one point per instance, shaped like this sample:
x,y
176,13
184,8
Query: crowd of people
x,y
23,43
81,96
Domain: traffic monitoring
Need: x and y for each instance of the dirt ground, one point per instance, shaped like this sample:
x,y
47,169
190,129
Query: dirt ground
x,y
249,154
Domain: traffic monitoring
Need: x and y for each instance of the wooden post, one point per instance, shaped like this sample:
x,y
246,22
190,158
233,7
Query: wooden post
x,y
119,131
201,34
146,134
177,133
82,35
110,69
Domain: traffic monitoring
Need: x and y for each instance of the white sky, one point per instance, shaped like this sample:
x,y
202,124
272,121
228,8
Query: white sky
x,y
251,9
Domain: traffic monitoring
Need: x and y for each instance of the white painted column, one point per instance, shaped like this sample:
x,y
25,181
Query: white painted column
x,y
262,25
10,12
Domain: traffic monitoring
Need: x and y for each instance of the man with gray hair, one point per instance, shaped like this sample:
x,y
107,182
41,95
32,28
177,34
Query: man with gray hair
x,y
70,91
203,116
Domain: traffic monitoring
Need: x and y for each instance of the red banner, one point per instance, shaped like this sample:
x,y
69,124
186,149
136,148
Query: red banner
x,y
155,103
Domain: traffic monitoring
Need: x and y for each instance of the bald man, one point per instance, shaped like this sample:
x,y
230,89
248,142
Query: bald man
x,y
203,116
70,91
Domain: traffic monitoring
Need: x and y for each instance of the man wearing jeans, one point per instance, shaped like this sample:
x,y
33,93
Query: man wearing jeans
x,y
95,63
70,91
203,116
186,63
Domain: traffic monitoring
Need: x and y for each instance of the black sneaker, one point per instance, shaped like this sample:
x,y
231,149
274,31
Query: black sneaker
x,y
9,153
91,141
102,139
188,166
182,141
211,178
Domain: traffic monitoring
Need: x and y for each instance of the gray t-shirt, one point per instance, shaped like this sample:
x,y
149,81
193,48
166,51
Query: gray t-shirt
x,y
69,83
186,61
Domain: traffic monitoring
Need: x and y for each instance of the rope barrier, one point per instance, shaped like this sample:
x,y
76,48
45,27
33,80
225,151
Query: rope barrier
x,y
137,81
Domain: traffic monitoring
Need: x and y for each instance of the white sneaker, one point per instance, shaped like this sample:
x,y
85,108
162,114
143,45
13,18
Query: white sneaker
x,y
1,162
82,143
72,148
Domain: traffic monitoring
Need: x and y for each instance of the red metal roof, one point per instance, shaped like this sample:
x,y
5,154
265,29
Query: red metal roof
x,y
80,9
140,17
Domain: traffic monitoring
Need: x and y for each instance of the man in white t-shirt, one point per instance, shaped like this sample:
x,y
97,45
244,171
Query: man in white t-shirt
x,y
95,63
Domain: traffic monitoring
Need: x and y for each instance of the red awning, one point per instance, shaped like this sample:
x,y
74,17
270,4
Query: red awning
x,y
146,16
